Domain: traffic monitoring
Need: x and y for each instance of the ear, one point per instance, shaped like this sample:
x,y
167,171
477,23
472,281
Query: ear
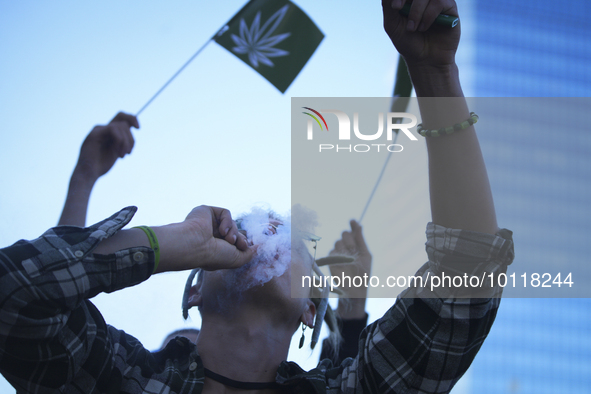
x,y
307,317
195,296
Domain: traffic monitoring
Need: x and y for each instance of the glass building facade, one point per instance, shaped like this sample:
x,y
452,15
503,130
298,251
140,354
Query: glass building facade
x,y
541,181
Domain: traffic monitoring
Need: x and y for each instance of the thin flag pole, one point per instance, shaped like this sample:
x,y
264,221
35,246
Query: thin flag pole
x,y
402,91
173,77
378,181
219,32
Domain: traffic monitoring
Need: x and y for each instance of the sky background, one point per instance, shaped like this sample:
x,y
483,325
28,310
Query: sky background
x,y
219,135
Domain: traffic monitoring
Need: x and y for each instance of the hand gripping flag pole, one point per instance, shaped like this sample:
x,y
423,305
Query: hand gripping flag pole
x,y
402,91
274,37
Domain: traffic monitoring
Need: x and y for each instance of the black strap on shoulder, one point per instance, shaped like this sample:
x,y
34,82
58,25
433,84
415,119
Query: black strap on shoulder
x,y
241,385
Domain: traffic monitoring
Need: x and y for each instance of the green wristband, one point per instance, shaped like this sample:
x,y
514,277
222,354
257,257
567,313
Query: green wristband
x,y
153,244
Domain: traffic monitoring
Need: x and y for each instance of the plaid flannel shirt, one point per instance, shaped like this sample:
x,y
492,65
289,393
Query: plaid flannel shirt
x,y
52,339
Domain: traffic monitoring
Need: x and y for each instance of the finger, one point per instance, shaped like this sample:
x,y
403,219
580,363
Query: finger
x,y
119,131
396,4
338,248
392,18
348,241
417,9
124,135
432,11
231,256
357,232
242,242
241,257
223,222
131,120
129,141
232,236
227,257
448,7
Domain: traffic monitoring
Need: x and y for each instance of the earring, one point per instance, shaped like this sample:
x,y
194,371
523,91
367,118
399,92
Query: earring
x,y
303,338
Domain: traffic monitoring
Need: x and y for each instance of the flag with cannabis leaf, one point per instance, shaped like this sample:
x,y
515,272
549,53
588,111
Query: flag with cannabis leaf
x,y
274,37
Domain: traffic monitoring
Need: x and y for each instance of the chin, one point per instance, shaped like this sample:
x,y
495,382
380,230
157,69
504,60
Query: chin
x,y
258,273
228,291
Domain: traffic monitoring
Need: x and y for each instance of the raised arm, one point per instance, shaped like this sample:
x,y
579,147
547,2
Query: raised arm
x,y
429,338
99,151
460,192
53,339
208,238
351,310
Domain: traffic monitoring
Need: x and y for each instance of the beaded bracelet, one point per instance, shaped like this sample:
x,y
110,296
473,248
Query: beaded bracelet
x,y
448,130
153,244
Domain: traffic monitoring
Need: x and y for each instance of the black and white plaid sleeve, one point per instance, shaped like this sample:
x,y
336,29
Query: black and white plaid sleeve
x,y
51,338
427,340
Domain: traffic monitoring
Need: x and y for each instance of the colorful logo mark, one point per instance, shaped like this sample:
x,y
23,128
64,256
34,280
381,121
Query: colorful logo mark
x,y
315,118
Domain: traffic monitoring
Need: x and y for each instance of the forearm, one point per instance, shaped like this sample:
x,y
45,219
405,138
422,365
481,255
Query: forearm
x,y
459,188
76,205
173,255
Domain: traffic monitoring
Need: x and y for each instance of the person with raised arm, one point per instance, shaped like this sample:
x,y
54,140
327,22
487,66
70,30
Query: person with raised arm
x,y
350,312
53,339
99,152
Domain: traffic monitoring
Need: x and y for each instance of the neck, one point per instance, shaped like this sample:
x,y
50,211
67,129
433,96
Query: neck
x,y
247,346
